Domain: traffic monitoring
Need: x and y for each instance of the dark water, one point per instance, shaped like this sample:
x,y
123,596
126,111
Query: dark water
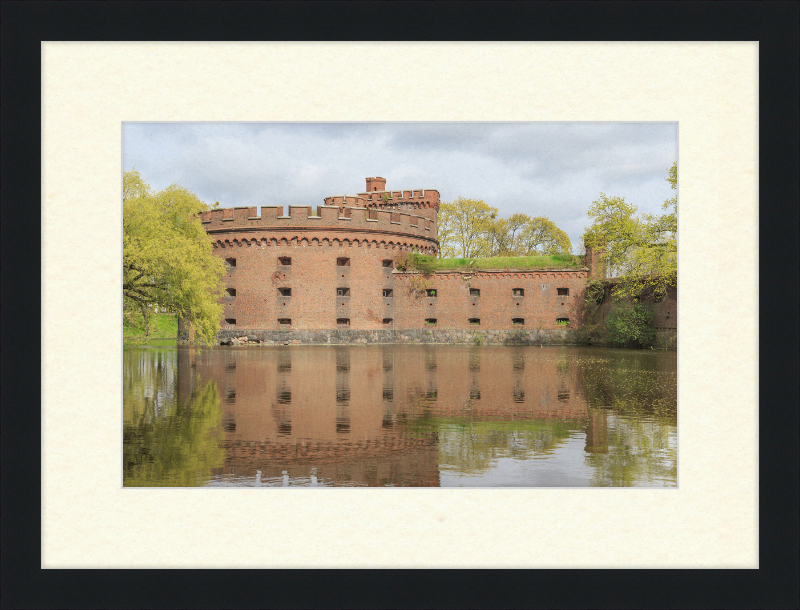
x,y
399,415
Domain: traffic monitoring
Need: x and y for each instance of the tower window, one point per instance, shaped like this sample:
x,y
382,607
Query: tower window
x,y
518,321
342,292
475,321
231,292
230,321
563,292
430,321
388,320
342,262
388,262
474,292
431,292
518,292
562,321
343,321
285,260
284,321
285,292
387,292
231,262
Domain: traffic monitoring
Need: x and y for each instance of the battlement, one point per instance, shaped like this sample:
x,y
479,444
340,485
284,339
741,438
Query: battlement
x,y
354,219
378,197
417,198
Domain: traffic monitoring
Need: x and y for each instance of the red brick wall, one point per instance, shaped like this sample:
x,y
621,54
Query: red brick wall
x,y
314,278
496,305
368,237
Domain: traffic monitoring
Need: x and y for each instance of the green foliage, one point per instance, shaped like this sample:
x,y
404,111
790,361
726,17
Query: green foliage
x,y
631,323
642,251
562,322
429,264
419,262
420,284
161,325
471,228
595,292
167,442
541,236
478,339
463,226
167,258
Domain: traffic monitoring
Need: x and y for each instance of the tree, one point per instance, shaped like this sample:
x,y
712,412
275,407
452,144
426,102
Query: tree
x,y
464,225
503,235
471,228
540,236
167,259
643,252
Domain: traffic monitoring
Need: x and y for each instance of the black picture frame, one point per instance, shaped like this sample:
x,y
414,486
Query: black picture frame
x,y
26,24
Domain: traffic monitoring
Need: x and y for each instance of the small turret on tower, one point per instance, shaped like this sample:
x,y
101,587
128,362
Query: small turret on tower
x,y
376,184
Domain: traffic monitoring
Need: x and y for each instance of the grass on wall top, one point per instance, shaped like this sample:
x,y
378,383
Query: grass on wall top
x,y
430,264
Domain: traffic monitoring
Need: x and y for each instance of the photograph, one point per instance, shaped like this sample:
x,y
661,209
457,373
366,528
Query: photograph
x,y
400,304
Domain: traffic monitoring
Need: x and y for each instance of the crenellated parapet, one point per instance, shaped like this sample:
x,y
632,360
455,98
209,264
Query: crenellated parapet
x,y
428,198
424,202
396,243
323,222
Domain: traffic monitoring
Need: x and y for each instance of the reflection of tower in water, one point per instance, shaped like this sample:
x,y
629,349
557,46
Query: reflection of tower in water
x,y
597,432
387,391
342,391
372,413
282,410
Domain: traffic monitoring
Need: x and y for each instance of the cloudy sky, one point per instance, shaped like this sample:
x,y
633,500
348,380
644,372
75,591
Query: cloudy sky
x,y
541,169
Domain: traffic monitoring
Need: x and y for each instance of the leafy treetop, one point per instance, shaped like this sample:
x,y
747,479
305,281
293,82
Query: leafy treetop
x,y
167,259
641,251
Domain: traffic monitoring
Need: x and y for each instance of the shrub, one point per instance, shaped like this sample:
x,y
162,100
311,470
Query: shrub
x,y
631,323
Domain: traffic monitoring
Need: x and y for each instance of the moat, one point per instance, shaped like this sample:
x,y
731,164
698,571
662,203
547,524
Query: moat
x,y
399,415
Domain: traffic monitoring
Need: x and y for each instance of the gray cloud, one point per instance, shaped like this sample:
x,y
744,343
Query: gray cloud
x,y
543,169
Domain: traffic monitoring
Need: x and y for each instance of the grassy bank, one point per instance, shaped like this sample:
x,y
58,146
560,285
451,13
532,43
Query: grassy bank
x,y
429,264
162,326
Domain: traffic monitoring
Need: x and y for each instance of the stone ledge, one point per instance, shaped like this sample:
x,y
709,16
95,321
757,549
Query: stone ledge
x,y
471,336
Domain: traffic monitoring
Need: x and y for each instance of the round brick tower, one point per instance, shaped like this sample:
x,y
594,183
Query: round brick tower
x,y
320,268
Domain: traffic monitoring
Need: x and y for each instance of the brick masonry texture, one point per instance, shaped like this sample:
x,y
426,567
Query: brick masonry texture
x,y
315,270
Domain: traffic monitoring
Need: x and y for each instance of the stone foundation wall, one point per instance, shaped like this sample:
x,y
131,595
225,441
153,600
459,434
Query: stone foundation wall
x,y
484,337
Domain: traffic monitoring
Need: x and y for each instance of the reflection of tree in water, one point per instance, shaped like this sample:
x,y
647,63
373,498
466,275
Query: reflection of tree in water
x,y
632,433
471,447
637,450
630,383
167,442
149,378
